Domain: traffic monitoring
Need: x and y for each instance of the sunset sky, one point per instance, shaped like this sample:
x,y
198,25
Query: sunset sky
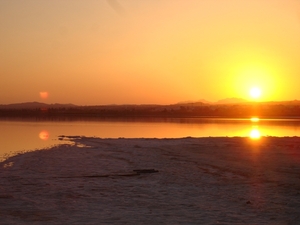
x,y
91,52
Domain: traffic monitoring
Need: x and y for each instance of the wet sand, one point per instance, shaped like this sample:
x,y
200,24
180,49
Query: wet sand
x,y
154,181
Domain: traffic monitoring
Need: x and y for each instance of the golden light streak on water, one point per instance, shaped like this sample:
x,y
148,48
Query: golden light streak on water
x,y
255,133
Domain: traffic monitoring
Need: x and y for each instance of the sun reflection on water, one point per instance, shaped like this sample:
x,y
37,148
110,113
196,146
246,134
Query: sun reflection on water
x,y
254,119
44,135
255,133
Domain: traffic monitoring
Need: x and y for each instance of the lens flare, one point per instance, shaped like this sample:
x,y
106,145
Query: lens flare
x,y
44,94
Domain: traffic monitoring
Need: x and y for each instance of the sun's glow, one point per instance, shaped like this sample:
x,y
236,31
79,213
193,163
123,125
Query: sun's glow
x,y
255,78
255,92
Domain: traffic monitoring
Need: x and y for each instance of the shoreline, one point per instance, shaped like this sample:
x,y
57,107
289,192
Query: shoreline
x,y
196,181
139,118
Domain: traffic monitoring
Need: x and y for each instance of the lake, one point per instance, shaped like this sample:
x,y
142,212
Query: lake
x,y
23,135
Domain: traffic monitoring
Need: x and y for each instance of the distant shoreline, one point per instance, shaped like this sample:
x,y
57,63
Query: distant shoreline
x,y
191,110
139,118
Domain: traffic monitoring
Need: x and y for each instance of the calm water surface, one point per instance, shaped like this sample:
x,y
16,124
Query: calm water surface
x,y
20,135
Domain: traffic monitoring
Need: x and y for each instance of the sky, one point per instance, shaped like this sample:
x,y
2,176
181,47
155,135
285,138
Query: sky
x,y
97,52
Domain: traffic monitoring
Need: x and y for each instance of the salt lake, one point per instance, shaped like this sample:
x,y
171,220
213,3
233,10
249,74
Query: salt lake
x,y
23,135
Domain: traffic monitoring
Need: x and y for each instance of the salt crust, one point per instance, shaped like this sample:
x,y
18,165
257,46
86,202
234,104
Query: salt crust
x,y
196,181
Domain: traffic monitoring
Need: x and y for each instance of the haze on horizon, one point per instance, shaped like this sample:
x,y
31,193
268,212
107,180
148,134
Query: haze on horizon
x,y
140,52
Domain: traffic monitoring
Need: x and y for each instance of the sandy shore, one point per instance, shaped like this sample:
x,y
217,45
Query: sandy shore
x,y
154,181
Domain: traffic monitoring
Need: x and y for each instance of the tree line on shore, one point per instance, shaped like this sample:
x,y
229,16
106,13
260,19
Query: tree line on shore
x,y
177,110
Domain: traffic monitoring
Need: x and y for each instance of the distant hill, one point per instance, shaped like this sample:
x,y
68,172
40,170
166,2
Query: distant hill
x,y
200,101
294,102
231,101
220,102
34,105
237,101
204,101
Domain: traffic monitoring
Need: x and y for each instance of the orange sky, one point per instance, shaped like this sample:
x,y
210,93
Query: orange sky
x,y
140,52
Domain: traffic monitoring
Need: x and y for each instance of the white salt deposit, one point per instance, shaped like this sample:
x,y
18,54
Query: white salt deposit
x,y
154,181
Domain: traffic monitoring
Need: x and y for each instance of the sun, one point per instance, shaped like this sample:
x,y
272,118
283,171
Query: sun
x,y
255,92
